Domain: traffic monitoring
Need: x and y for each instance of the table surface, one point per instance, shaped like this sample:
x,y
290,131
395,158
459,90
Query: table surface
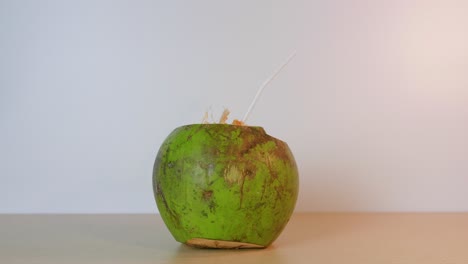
x,y
309,238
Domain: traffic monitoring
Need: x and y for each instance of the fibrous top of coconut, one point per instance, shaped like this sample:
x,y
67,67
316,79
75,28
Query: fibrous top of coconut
x,y
223,119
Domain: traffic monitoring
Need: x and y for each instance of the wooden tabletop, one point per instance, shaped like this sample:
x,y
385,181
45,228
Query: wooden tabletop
x,y
395,238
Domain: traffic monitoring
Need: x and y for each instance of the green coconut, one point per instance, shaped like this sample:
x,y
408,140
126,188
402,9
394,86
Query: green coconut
x,y
225,186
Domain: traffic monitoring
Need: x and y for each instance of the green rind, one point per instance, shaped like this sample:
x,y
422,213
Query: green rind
x,y
225,182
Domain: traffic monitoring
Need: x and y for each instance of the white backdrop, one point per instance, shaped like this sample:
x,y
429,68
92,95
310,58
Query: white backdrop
x,y
374,106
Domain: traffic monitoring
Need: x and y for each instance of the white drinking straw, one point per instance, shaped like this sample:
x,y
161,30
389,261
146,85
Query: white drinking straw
x,y
264,84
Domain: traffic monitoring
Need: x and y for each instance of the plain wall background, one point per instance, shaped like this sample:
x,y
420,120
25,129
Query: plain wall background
x,y
374,106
